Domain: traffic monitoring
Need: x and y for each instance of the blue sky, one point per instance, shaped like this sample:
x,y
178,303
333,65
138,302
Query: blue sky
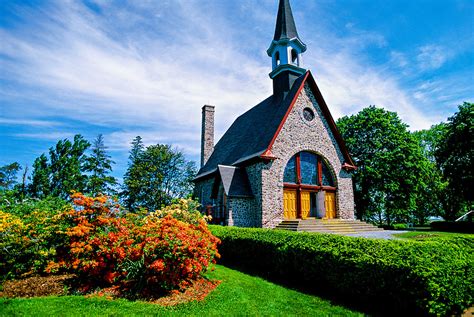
x,y
146,67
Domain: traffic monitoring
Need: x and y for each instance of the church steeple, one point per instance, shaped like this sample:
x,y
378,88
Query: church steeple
x,y
285,50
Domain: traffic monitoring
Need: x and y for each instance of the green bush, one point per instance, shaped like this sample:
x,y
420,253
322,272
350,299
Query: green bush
x,y
400,226
30,235
407,277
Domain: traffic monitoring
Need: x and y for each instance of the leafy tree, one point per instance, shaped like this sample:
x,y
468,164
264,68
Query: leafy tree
x,y
390,162
40,184
8,175
455,157
131,187
435,196
156,175
66,165
430,139
137,149
63,171
99,165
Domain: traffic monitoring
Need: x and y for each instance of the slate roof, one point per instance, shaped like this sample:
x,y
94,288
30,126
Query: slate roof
x,y
285,24
235,181
251,133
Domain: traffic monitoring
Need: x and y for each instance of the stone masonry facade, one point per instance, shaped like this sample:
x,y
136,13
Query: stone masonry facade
x,y
241,212
266,179
298,135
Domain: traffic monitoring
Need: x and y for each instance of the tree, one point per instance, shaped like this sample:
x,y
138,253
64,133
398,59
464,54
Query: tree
x,y
156,175
455,157
8,175
433,192
63,172
40,183
137,149
99,165
131,187
389,160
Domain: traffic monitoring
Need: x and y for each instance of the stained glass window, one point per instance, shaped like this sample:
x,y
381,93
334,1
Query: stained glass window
x,y
327,175
309,168
290,171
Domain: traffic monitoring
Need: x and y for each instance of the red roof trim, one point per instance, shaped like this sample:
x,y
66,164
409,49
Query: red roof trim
x,y
268,155
349,164
269,149
348,167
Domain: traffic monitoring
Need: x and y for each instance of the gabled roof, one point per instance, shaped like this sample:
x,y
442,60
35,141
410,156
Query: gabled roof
x,y
285,25
252,135
235,181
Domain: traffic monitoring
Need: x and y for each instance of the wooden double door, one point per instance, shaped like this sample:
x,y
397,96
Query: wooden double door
x,y
304,204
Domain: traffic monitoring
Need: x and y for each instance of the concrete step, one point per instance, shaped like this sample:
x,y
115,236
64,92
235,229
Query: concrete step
x,y
325,225
338,226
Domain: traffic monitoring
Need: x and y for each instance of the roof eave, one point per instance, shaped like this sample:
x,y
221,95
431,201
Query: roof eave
x,y
205,175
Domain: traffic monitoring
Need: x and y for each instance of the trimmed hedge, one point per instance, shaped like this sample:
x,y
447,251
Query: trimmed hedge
x,y
404,277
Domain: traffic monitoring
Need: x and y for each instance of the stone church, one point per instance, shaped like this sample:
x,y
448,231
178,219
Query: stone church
x,y
284,158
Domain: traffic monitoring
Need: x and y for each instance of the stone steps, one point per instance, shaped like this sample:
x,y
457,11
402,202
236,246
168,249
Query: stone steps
x,y
338,226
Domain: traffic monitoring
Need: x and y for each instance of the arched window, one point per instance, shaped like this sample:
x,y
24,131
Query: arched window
x,y
277,58
308,188
294,56
307,168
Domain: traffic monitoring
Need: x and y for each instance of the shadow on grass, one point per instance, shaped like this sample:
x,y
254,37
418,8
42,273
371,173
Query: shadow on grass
x,y
369,307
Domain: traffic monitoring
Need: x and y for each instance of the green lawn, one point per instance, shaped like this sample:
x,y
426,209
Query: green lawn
x,y
238,294
432,235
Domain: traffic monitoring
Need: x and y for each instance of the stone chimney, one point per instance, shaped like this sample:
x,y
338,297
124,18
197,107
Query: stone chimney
x,y
207,133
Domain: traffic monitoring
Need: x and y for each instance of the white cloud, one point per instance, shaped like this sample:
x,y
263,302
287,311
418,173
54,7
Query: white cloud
x,y
52,136
432,56
147,67
88,73
399,59
348,86
26,122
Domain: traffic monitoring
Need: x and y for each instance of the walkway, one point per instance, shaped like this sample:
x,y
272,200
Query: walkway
x,y
386,234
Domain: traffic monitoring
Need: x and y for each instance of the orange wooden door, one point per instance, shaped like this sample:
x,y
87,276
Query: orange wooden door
x,y
289,204
330,204
305,204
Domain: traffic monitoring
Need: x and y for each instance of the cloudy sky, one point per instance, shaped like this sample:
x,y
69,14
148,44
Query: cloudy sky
x,y
146,67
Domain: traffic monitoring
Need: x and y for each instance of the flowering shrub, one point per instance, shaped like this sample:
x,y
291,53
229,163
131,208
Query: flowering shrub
x,y
185,210
138,252
11,242
30,236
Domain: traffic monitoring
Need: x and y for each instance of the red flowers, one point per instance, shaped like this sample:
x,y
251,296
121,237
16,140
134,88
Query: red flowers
x,y
166,253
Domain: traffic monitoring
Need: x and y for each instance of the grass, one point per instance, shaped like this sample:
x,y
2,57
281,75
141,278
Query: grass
x,y
432,235
238,294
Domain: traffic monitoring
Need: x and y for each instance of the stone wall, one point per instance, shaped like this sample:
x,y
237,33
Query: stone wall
x,y
242,212
203,191
299,135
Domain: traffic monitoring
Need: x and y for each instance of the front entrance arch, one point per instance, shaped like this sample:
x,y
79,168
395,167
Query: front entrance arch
x,y
309,189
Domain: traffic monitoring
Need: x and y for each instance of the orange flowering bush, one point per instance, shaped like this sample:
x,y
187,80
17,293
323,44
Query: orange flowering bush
x,y
144,253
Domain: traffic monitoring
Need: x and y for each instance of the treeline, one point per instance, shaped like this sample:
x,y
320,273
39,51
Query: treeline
x,y
155,175
408,177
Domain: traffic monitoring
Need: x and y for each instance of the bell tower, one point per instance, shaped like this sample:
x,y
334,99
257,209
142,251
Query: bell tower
x,y
286,51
